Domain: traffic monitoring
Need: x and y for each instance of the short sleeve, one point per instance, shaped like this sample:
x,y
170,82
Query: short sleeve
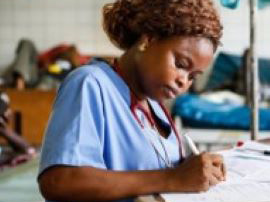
x,y
74,132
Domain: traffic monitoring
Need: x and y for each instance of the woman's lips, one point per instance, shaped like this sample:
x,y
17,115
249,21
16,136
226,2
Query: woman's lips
x,y
170,92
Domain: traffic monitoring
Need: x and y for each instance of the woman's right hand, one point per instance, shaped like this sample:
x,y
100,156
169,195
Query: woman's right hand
x,y
85,183
197,173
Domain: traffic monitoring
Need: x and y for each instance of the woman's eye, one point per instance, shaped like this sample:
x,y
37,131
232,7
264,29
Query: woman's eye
x,y
179,64
191,77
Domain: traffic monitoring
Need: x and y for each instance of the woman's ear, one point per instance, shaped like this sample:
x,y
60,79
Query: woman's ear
x,y
145,41
142,47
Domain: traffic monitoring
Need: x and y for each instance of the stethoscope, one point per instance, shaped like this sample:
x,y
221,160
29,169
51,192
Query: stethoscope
x,y
135,107
152,134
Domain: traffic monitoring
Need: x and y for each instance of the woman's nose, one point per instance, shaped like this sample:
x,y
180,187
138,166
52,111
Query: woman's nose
x,y
182,78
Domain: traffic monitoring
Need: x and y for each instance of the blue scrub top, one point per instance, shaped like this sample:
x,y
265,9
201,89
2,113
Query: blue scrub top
x,y
92,125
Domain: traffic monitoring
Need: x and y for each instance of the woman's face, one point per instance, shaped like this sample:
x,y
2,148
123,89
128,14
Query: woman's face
x,y
167,68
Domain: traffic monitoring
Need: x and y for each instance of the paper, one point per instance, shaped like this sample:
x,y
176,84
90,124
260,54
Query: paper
x,y
239,167
255,145
260,176
258,154
252,192
248,179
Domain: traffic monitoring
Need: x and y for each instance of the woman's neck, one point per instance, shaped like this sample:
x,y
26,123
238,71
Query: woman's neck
x,y
128,68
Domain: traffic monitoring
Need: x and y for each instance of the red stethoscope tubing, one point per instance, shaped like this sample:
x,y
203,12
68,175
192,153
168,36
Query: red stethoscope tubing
x,y
178,137
181,149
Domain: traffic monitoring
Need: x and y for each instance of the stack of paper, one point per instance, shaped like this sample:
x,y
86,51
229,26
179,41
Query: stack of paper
x,y
249,192
248,178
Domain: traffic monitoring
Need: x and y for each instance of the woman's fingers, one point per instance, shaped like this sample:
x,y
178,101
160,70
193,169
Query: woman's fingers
x,y
224,171
218,162
216,159
213,180
217,173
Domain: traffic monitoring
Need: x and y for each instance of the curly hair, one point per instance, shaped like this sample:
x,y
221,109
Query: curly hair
x,y
125,21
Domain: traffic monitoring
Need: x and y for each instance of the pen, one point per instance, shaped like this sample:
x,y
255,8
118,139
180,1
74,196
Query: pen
x,y
192,145
195,151
264,152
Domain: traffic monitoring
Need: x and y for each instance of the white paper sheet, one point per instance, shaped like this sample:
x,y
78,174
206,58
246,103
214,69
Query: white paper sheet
x,y
260,176
244,151
239,167
251,192
255,145
248,180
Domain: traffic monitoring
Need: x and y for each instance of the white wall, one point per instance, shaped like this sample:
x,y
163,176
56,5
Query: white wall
x,y
49,22
236,29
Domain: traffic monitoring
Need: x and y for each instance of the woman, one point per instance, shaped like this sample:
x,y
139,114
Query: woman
x,y
109,137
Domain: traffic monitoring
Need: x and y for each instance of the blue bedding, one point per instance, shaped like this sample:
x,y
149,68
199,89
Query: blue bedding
x,y
200,113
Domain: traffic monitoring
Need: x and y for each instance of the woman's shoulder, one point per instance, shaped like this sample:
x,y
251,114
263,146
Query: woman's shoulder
x,y
95,69
96,73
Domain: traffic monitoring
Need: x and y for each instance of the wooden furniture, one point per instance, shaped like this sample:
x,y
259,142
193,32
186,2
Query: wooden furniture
x,y
35,107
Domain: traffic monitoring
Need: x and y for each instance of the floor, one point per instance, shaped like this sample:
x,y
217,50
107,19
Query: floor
x,y
19,184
